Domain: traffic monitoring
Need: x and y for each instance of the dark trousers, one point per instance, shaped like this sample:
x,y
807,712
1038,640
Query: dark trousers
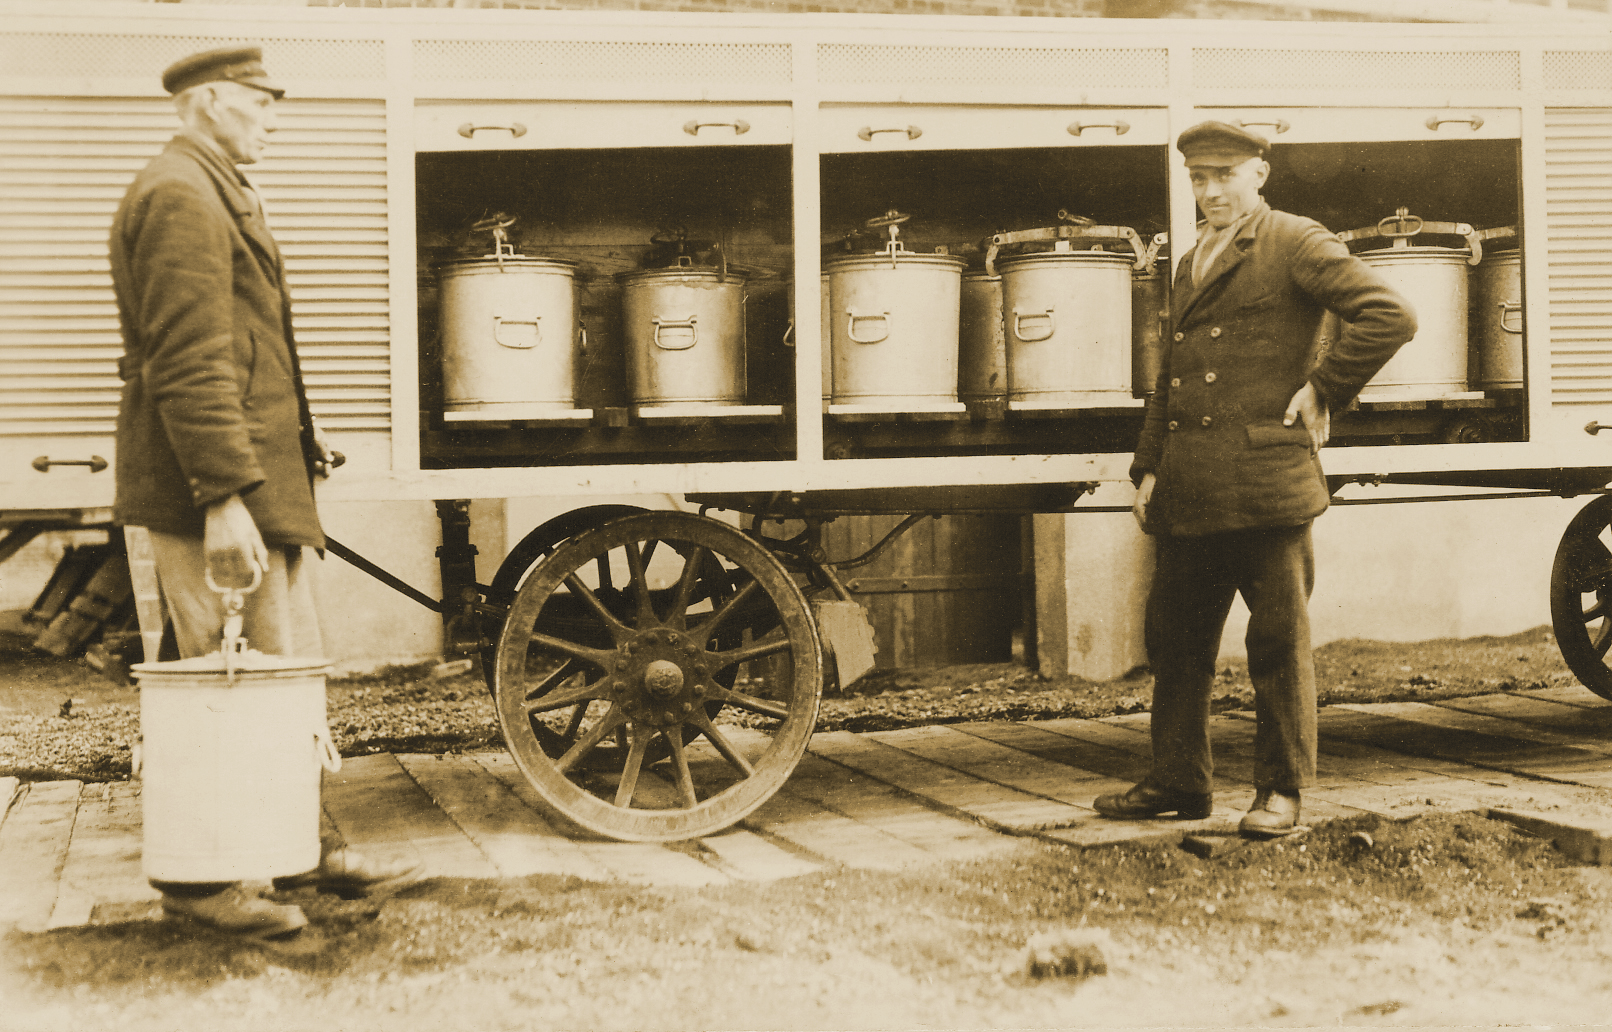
x,y
1193,587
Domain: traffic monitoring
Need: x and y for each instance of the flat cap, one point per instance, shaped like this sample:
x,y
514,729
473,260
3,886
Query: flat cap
x,y
227,64
1213,138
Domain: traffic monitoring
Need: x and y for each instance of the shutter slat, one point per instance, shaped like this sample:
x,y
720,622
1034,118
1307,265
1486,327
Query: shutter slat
x,y
1578,209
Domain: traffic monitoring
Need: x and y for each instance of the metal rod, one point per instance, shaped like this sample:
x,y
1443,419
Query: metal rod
x,y
1389,501
381,575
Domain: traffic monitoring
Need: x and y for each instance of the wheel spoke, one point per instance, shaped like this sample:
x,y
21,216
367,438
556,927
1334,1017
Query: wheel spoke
x,y
615,717
558,676
601,658
618,630
755,650
710,627
1602,640
765,707
692,565
629,772
637,564
563,697
723,746
606,579
685,780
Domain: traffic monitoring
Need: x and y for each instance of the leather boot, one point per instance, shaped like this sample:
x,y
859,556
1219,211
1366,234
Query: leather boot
x,y
1275,813
238,911
347,873
1145,800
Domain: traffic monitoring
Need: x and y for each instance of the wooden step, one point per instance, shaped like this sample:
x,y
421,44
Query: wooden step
x,y
33,847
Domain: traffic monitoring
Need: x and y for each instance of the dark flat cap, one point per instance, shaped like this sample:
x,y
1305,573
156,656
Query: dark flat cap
x,y
227,64
1221,138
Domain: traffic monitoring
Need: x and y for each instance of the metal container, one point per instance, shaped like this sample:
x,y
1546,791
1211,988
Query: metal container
x,y
826,314
230,763
1497,322
1067,316
1433,364
684,328
509,336
1150,321
893,328
981,340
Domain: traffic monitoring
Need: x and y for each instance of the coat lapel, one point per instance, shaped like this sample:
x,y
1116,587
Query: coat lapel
x,y
1229,258
242,204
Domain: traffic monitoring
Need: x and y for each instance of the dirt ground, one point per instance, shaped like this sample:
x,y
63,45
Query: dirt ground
x,y
1442,920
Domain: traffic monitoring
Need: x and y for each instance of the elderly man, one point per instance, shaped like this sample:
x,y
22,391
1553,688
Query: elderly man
x,y
216,449
1228,477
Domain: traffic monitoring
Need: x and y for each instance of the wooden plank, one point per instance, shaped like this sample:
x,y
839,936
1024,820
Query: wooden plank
x,y
103,859
1102,763
511,834
833,836
749,857
1558,716
995,763
1470,747
33,848
995,805
870,801
1100,732
1488,723
383,813
1573,695
645,863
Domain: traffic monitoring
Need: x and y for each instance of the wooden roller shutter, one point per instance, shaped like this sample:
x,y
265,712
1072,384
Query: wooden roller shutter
x,y
1578,192
64,165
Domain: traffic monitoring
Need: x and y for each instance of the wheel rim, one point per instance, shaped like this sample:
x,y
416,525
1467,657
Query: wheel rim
x,y
1581,595
606,681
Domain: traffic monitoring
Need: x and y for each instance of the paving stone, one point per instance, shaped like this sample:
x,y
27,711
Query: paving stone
x,y
103,859
33,847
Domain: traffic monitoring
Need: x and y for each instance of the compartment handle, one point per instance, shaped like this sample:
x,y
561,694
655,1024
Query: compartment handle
x,y
499,322
470,129
1120,127
1508,309
1018,325
867,132
694,125
1281,125
677,324
1475,121
850,326
44,462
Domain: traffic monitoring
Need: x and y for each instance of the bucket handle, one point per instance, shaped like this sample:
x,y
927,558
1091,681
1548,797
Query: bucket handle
x,y
1508,309
1018,325
677,324
850,326
499,322
324,749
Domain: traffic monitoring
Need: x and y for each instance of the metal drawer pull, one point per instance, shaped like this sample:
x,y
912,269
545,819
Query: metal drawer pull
x,y
850,326
1508,309
1018,325
499,322
693,126
470,129
1475,121
44,462
868,132
1281,125
1120,128
677,324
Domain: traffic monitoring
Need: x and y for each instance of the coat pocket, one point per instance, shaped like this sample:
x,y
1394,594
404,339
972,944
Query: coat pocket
x,y
1271,435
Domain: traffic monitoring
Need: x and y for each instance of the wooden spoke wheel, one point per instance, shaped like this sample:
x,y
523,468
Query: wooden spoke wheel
x,y
621,677
1581,595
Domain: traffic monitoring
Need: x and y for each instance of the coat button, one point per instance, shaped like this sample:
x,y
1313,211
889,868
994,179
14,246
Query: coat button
x,y
1207,420
1215,332
1175,381
1174,425
1180,336
1209,377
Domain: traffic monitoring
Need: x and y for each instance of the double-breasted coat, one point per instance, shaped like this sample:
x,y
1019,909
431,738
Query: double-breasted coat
x,y
213,401
1242,344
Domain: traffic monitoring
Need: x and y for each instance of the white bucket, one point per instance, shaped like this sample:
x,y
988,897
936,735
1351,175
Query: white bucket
x,y
1433,364
509,337
231,766
1067,316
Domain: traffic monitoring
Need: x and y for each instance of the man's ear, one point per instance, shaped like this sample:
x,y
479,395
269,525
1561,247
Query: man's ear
x,y
1264,171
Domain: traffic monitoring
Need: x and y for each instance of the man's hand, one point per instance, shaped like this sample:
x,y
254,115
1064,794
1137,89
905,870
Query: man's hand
x,y
232,544
327,457
1144,498
1312,408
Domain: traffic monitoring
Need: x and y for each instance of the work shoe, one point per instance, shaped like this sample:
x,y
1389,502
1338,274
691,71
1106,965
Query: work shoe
x,y
1146,800
1275,812
348,874
235,910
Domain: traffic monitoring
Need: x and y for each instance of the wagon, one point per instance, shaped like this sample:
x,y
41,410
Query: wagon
x,y
657,674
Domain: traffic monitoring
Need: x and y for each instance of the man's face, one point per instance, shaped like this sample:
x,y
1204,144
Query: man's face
x,y
1227,186
241,119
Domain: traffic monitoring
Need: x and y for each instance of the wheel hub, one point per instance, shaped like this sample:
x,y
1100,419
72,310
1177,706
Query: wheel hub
x,y
662,673
663,679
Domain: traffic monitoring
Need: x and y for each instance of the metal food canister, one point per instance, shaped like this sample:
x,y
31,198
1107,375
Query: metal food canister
x,y
684,327
509,336
1067,317
230,760
981,340
1433,364
893,328
1150,320
1497,322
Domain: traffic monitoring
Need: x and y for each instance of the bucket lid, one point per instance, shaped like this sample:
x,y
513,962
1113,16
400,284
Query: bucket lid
x,y
247,662
877,259
1404,254
493,262
1067,258
684,272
